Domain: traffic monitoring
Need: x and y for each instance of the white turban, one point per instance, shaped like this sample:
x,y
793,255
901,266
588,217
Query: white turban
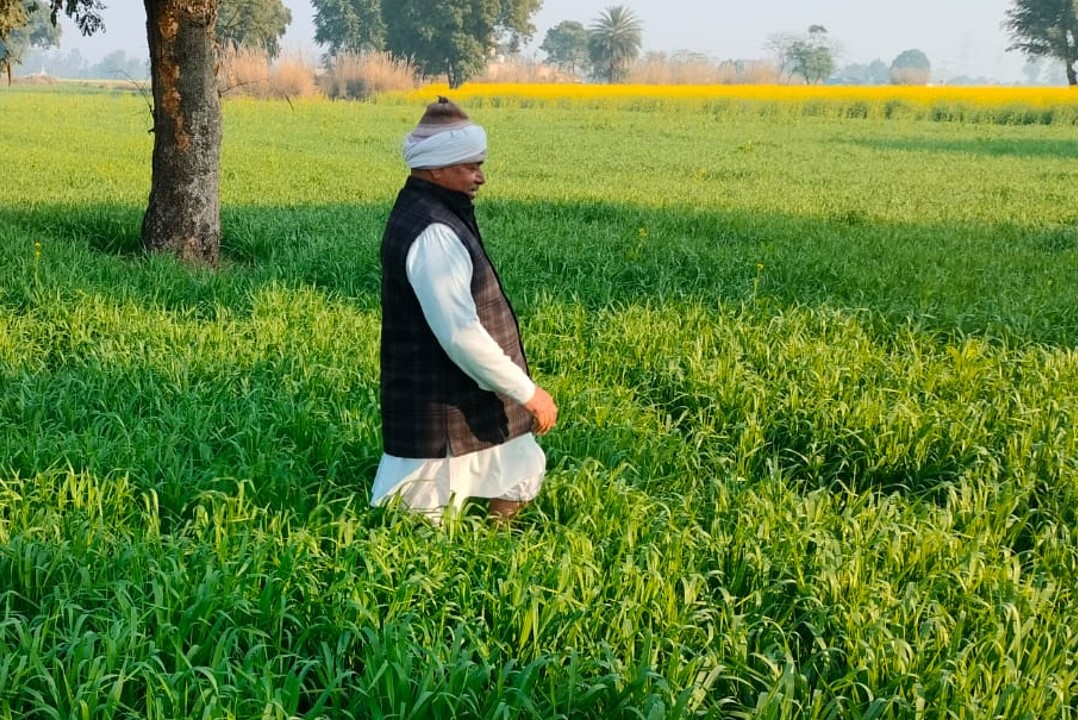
x,y
458,144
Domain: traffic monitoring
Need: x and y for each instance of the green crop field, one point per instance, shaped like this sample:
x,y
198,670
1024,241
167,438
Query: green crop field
x,y
817,453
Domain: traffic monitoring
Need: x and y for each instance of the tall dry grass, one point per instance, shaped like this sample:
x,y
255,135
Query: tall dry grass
x,y
910,76
249,72
659,69
293,75
519,70
350,76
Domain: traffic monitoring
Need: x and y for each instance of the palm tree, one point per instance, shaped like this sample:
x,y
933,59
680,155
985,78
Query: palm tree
x,y
614,42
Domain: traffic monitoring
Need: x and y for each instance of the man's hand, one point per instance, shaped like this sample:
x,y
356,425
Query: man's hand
x,y
543,410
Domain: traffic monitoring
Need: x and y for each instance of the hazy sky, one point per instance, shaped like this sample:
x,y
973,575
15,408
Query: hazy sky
x,y
960,37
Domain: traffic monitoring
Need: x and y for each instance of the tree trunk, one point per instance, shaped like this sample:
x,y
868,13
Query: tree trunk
x,y
1070,58
452,77
184,212
1070,47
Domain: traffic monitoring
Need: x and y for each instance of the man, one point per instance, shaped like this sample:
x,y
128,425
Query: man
x,y
458,405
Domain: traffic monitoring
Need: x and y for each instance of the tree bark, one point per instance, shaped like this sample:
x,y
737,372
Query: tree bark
x,y
1070,47
184,212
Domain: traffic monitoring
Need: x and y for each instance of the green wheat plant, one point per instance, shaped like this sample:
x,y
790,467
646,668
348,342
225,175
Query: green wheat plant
x,y
816,455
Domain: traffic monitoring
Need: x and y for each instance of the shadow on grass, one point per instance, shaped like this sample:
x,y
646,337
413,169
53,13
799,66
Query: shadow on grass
x,y
1011,282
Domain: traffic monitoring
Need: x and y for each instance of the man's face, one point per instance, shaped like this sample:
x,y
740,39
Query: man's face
x,y
464,178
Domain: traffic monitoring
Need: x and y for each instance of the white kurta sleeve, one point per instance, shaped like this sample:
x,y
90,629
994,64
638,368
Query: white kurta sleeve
x,y
440,271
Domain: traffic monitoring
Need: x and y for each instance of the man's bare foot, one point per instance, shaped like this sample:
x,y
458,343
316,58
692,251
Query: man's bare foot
x,y
502,511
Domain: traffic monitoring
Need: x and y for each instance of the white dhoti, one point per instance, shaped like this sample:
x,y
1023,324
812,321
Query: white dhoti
x,y
512,471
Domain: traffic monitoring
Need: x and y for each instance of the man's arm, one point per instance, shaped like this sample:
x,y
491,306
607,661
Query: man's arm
x,y
440,271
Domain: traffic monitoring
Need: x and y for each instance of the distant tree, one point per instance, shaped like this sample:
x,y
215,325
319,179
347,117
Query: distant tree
x,y
874,73
1033,68
118,65
878,72
455,38
514,23
258,24
566,46
777,46
353,26
690,56
614,42
811,55
911,67
978,81
58,64
1046,28
35,30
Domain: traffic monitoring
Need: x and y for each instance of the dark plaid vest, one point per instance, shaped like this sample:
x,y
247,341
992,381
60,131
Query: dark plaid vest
x,y
430,408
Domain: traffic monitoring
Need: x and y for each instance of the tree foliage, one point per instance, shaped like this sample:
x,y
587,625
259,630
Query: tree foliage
x,y
28,25
614,42
876,72
13,15
566,46
353,26
514,22
911,67
1046,28
455,38
19,18
810,56
85,13
258,24
17,14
